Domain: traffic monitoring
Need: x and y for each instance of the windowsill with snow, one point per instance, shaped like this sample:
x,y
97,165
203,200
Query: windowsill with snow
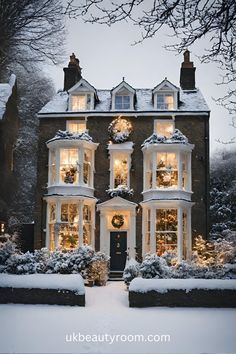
x,y
164,285
72,282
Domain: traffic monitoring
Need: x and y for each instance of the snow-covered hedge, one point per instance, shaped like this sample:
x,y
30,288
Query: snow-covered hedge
x,y
43,261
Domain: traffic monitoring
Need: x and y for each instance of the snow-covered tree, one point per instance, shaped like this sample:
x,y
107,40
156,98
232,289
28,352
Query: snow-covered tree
x,y
154,266
223,193
131,271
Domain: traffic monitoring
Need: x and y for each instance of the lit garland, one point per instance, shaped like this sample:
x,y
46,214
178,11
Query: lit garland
x,y
119,130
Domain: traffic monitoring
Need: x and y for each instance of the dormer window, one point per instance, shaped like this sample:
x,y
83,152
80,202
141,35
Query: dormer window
x,y
122,102
165,101
82,96
165,96
123,97
80,102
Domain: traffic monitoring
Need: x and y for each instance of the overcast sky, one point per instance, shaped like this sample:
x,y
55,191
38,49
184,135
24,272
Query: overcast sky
x,y
106,55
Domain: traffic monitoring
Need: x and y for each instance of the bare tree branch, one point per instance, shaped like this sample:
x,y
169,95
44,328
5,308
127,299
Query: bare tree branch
x,y
31,30
189,21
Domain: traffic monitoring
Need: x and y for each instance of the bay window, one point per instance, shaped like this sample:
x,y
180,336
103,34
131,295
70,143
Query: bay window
x,y
70,223
167,228
167,171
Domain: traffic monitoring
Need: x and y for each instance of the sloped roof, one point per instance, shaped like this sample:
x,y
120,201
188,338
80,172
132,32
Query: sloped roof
x,y
189,101
5,93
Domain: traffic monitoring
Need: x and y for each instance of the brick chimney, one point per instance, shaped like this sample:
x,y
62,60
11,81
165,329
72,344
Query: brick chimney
x,y
72,73
187,73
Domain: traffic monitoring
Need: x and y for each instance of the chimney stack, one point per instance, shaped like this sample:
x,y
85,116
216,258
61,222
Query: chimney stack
x,y
187,73
72,73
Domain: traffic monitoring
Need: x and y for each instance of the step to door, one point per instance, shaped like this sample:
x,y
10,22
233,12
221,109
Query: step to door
x,y
116,276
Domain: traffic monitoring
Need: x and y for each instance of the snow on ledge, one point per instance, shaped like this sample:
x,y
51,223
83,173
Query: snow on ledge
x,y
163,285
73,282
65,135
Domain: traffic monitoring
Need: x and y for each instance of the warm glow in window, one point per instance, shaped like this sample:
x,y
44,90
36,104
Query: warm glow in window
x,y
69,165
87,166
120,170
79,102
167,172
87,225
166,230
53,168
122,102
165,101
164,128
76,127
68,233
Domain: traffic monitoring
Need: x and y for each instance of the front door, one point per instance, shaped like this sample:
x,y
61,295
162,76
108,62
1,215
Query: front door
x,y
118,247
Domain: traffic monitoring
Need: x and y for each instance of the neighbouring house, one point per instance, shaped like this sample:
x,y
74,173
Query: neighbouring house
x,y
125,170
9,125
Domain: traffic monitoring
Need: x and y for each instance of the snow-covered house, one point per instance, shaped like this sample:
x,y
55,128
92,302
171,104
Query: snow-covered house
x,y
124,169
9,124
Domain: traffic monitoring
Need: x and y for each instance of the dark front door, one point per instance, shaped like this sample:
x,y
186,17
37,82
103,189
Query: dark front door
x,y
118,247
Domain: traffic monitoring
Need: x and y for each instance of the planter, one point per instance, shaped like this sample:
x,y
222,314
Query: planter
x,y
90,283
100,282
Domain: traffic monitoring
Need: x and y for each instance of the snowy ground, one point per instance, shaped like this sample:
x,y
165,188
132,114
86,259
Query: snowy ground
x,y
47,329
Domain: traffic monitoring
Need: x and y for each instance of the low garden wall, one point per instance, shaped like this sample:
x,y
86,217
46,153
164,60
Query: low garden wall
x,y
51,289
182,293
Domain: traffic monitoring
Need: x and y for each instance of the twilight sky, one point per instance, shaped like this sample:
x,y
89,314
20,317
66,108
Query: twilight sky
x,y
106,55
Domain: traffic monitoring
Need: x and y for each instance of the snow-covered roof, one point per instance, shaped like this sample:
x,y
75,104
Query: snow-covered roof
x,y
65,135
190,101
176,138
5,94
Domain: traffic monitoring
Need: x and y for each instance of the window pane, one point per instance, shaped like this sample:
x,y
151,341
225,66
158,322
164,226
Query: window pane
x,y
166,230
164,128
120,170
122,102
87,225
76,127
87,167
167,172
53,168
79,102
165,101
68,165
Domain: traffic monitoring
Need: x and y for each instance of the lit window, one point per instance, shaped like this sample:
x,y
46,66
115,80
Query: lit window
x,y
69,165
76,126
87,167
87,225
68,234
80,102
165,101
122,102
120,171
166,230
164,128
52,174
167,172
52,221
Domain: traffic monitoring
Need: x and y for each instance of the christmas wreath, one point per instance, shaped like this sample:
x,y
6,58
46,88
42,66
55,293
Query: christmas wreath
x,y
117,221
119,130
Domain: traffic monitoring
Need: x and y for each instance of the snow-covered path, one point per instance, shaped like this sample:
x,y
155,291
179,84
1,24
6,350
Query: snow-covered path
x,y
47,329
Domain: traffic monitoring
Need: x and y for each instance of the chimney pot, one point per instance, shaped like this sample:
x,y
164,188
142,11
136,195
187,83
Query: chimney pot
x,y
187,73
72,74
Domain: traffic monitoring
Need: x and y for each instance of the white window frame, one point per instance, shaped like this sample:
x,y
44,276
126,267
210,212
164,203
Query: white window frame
x,y
122,103
114,149
89,96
